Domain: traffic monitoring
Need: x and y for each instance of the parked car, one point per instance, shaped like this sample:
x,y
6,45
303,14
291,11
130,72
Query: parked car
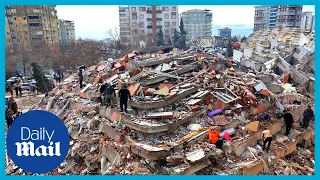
x,y
25,86
13,79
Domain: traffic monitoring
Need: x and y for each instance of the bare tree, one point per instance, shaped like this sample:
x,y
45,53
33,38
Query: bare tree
x,y
22,46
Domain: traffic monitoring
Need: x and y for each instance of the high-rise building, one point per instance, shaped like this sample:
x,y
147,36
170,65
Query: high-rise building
x,y
275,16
124,23
307,20
261,17
225,32
137,21
197,23
67,33
30,27
289,16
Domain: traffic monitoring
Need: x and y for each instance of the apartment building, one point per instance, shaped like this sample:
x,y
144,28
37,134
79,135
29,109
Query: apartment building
x,y
289,16
307,20
225,32
30,27
275,16
261,17
197,23
67,33
137,21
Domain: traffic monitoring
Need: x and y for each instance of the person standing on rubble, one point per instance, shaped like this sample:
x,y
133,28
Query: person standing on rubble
x,y
288,120
266,137
307,116
102,90
124,94
108,94
80,77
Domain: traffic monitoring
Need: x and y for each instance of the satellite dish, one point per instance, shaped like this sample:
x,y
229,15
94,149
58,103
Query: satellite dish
x,y
142,44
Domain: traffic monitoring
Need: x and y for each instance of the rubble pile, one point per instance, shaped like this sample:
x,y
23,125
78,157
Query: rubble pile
x,y
190,113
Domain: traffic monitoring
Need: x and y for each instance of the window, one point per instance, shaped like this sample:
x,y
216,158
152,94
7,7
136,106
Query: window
x,y
149,16
167,24
141,24
149,23
34,24
140,9
13,10
133,9
166,31
158,23
166,8
22,10
141,31
14,18
134,17
159,15
34,17
141,16
174,8
166,16
173,16
122,15
36,39
24,18
134,24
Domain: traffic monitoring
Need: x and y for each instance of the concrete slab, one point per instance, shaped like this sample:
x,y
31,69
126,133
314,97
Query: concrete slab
x,y
163,103
275,88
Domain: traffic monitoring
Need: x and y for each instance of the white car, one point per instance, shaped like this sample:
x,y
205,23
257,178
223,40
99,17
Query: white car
x,y
13,79
25,86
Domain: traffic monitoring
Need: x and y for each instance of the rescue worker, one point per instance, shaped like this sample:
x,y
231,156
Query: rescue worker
x,y
108,94
288,120
102,89
80,78
307,116
124,94
266,137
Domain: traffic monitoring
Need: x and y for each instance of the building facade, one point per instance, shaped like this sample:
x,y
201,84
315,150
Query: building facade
x,y
197,23
137,22
225,32
289,16
307,20
261,17
30,27
275,16
67,33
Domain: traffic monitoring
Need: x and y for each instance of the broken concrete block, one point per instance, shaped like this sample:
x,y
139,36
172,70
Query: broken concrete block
x,y
275,88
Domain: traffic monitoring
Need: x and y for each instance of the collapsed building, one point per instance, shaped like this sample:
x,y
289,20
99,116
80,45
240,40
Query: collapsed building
x,y
182,104
286,52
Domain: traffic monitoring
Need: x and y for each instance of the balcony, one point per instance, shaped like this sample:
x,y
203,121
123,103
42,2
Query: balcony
x,y
149,19
159,19
159,26
149,10
149,27
159,11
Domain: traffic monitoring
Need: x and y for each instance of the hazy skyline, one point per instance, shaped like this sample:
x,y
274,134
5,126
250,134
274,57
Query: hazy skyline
x,y
92,21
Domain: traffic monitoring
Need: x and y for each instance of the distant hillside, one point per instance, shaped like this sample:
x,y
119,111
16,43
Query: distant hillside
x,y
237,29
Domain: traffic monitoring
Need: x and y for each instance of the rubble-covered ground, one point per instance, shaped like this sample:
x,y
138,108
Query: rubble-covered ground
x,y
184,106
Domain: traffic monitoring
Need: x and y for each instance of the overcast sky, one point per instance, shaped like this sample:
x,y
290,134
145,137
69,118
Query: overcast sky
x,y
94,21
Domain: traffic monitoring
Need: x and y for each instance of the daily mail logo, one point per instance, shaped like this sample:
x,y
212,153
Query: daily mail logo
x,y
38,141
28,148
